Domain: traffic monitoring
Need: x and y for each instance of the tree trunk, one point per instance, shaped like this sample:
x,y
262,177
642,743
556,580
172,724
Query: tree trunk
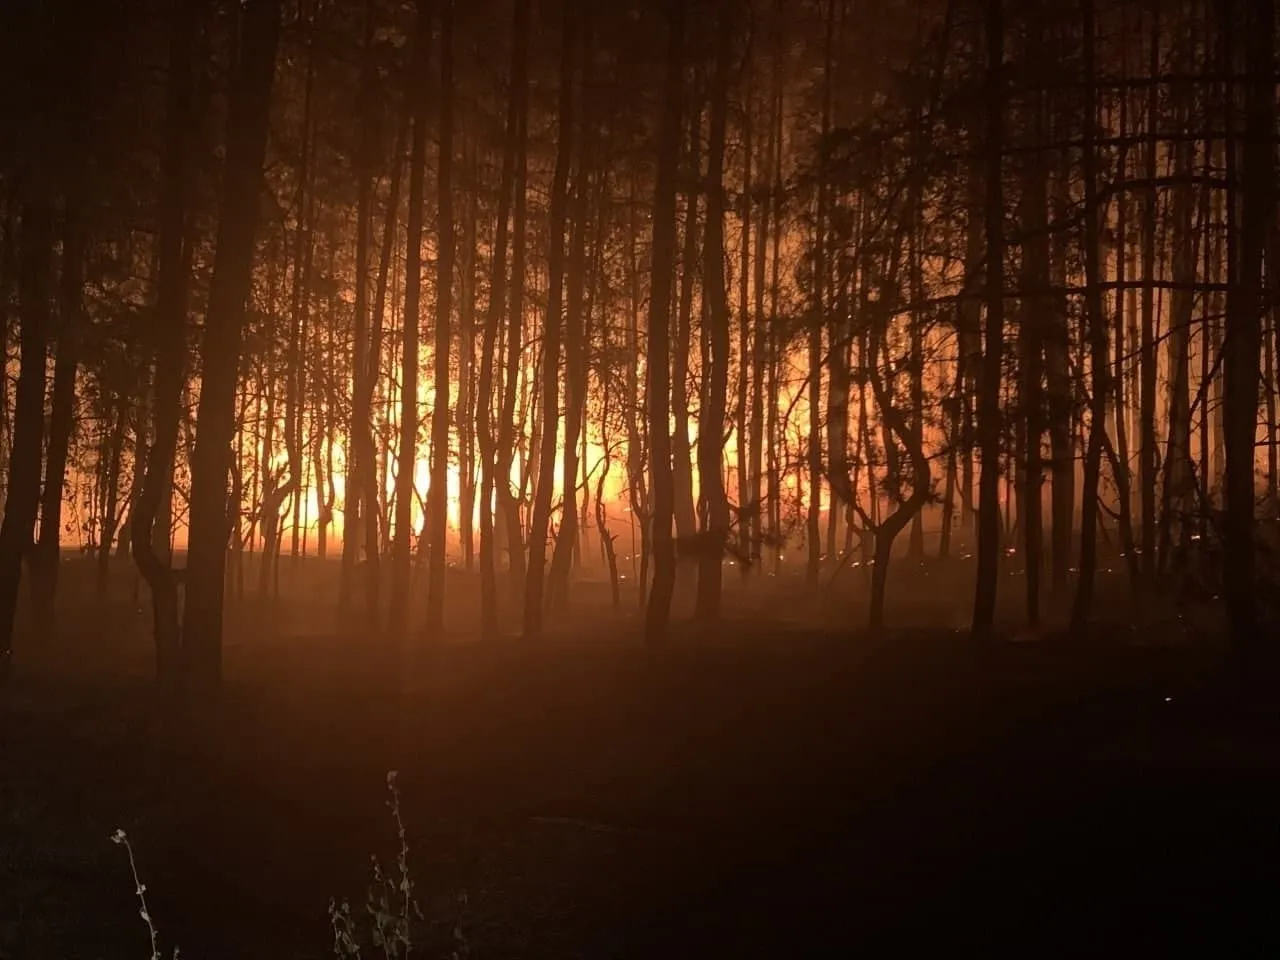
x,y
8,272
681,451
497,301
1177,481
1062,454
989,397
575,371
23,498
1035,273
1100,362
969,335
110,510
741,447
711,425
517,144
818,318
774,483
402,560
296,396
637,495
551,337
373,463
1149,455
438,497
229,290
1120,457
1245,307
46,556
326,492
751,501
354,450
658,611
73,123
464,415
887,531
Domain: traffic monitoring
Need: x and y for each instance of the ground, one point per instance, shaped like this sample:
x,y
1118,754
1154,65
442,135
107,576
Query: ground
x,y
769,789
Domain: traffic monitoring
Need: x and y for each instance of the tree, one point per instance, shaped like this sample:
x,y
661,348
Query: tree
x,y
1100,363
75,122
658,611
989,396
575,342
23,491
490,480
359,446
517,143
402,565
1245,307
221,343
551,337
437,502
168,346
711,425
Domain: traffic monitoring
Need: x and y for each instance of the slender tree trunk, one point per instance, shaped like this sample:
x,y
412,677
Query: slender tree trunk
x,y
23,498
406,462
817,320
888,529
1120,464
358,456
741,444
1035,272
72,120
228,293
551,337
989,398
1100,363
751,503
658,612
47,554
465,413
1149,456
969,324
681,449
517,140
637,497
915,440
953,407
497,298
1271,386
326,492
372,492
1176,481
774,484
1057,348
711,425
438,498
295,400
8,273
1245,307
1120,461
110,509
575,370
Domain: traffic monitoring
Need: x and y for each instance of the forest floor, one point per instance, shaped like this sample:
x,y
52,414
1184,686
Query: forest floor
x,y
774,790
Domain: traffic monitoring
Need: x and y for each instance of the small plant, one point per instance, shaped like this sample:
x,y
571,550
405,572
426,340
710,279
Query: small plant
x,y
391,904
461,945
120,838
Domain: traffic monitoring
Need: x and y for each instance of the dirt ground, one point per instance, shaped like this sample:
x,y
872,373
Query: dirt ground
x,y
779,788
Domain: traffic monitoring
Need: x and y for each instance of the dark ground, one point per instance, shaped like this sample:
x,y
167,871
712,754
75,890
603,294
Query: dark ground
x,y
777,790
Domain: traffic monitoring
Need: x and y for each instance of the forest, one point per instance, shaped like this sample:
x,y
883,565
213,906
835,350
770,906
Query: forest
x,y
462,353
